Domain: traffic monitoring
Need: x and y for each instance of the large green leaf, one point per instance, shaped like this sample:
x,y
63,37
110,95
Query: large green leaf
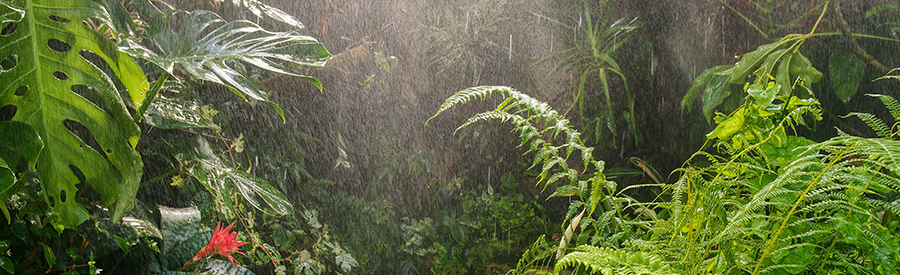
x,y
74,106
716,91
699,85
846,71
218,54
219,179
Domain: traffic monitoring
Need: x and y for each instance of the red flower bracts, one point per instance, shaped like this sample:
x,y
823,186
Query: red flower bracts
x,y
223,242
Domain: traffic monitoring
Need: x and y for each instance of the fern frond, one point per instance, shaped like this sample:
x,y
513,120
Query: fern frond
x,y
540,251
890,103
609,261
877,125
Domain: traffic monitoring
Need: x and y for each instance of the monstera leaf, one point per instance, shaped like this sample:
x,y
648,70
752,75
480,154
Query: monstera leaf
x,y
50,77
218,55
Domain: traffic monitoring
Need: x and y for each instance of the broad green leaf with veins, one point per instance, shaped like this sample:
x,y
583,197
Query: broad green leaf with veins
x,y
89,136
215,54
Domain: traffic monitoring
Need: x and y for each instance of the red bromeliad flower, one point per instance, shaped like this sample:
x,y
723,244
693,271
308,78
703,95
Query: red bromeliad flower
x,y
223,242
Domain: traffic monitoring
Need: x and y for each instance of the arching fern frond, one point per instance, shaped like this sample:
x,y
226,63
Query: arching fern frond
x,y
890,103
532,119
877,125
609,261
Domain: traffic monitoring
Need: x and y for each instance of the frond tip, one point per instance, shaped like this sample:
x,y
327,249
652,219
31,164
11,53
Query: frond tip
x,y
609,261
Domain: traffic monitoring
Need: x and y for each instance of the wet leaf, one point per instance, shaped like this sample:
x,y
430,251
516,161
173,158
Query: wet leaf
x,y
175,113
750,61
800,66
716,91
214,54
729,127
49,71
565,191
7,265
764,96
699,85
846,72
219,179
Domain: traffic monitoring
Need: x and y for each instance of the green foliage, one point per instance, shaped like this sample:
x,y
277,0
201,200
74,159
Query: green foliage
x,y
459,34
590,55
781,61
218,55
886,9
539,126
846,71
610,261
71,85
531,119
58,89
767,203
219,179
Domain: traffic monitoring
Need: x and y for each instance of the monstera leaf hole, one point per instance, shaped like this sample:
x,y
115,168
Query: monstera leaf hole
x,y
21,90
8,29
85,135
90,95
58,45
9,62
59,19
8,112
60,75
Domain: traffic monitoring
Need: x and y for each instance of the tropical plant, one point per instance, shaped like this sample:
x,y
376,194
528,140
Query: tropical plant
x,y
55,84
589,55
602,219
767,203
72,97
460,36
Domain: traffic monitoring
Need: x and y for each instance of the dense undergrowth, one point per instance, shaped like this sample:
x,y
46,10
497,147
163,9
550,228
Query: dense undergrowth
x,y
119,155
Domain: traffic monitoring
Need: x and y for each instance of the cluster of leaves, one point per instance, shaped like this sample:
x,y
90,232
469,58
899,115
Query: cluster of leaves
x,y
484,228
602,219
459,34
589,55
74,98
769,202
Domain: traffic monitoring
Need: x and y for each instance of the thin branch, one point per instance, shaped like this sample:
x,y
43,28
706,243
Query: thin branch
x,y
851,42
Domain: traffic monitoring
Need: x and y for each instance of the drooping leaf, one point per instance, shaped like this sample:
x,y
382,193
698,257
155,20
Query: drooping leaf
x,y
846,71
73,105
219,179
699,85
801,67
750,61
716,91
215,53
